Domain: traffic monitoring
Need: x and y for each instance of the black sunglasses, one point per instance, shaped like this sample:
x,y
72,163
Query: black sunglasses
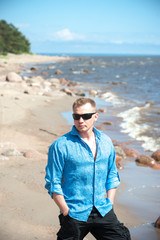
x,y
85,116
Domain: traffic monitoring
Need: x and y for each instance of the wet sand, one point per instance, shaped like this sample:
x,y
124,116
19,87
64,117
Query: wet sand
x,y
32,121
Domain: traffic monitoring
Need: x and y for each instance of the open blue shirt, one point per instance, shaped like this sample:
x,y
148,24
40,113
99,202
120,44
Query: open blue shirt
x,y
73,172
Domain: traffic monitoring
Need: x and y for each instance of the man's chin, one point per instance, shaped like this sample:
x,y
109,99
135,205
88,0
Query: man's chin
x,y
81,129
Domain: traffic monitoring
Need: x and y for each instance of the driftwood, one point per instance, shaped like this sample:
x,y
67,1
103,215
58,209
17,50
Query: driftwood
x,y
44,130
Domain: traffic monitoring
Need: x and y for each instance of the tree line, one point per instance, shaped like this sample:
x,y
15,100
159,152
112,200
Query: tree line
x,y
12,40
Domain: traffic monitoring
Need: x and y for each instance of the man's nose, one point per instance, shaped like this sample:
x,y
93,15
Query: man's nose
x,y
81,119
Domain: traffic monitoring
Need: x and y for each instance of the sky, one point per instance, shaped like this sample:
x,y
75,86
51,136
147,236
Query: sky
x,y
87,26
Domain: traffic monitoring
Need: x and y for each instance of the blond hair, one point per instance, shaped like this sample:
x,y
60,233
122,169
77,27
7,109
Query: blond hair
x,y
82,101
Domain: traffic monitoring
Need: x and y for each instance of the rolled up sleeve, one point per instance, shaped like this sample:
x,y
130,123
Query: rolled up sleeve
x,y
54,170
113,179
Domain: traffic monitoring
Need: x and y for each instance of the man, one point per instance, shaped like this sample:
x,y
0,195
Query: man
x,y
81,170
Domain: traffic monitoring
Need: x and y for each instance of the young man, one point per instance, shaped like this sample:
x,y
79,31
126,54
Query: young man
x,y
81,170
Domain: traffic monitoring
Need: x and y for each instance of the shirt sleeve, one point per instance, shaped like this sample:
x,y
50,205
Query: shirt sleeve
x,y
54,170
113,179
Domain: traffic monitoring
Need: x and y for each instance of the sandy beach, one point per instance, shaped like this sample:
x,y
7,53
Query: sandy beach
x,y
28,122
30,117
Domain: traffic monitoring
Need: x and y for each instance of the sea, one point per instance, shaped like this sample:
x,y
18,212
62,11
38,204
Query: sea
x,y
130,87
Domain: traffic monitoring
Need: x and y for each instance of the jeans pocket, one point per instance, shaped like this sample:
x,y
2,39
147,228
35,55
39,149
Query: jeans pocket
x,y
63,219
67,226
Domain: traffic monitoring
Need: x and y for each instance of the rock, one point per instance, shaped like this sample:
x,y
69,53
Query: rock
x,y
93,93
35,80
157,223
63,81
81,58
13,77
34,68
130,152
80,94
145,160
119,165
155,165
108,123
115,142
126,143
35,84
118,159
156,155
44,73
25,78
54,80
34,154
68,91
149,102
11,152
26,92
101,110
86,71
58,72
114,83
16,98
46,85
101,126
119,152
71,69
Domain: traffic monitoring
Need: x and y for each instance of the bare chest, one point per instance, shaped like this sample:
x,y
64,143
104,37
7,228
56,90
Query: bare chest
x,y
93,146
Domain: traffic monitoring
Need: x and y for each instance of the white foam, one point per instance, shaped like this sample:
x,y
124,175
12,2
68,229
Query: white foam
x,y
76,72
132,189
149,143
135,130
112,98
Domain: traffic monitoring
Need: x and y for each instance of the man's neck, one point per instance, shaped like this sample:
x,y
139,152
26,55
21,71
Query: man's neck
x,y
87,135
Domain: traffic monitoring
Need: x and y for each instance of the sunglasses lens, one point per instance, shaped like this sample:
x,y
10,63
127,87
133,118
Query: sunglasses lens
x,y
76,116
87,116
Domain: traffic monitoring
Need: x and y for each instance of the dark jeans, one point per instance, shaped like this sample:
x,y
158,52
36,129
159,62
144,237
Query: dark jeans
x,y
102,228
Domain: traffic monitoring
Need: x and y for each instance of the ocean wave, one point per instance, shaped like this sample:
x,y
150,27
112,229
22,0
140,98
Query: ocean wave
x,y
136,130
112,98
142,187
77,72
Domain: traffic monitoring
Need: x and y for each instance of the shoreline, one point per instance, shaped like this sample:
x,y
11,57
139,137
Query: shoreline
x,y
31,119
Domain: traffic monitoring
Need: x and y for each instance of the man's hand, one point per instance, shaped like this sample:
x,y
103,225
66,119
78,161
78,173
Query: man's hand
x,y
65,213
61,203
111,194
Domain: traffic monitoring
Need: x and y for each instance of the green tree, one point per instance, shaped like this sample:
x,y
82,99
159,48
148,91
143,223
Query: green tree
x,y
12,40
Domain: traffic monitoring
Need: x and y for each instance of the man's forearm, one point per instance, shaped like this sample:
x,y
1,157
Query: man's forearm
x,y
111,194
61,203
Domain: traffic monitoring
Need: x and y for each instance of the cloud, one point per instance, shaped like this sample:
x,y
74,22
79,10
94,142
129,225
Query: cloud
x,y
66,35
22,25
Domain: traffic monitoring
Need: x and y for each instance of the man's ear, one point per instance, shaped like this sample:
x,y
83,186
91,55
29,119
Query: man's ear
x,y
96,116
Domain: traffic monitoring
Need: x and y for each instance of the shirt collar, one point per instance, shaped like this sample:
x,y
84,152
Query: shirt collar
x,y
75,132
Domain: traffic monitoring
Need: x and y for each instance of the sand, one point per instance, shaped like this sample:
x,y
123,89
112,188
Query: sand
x,y
27,122
31,122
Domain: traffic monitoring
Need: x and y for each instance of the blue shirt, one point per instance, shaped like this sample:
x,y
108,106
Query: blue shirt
x,y
73,172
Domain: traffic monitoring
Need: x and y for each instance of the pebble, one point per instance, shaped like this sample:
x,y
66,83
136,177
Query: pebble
x,y
11,152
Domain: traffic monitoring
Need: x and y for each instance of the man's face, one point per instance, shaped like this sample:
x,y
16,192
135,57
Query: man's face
x,y
83,125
